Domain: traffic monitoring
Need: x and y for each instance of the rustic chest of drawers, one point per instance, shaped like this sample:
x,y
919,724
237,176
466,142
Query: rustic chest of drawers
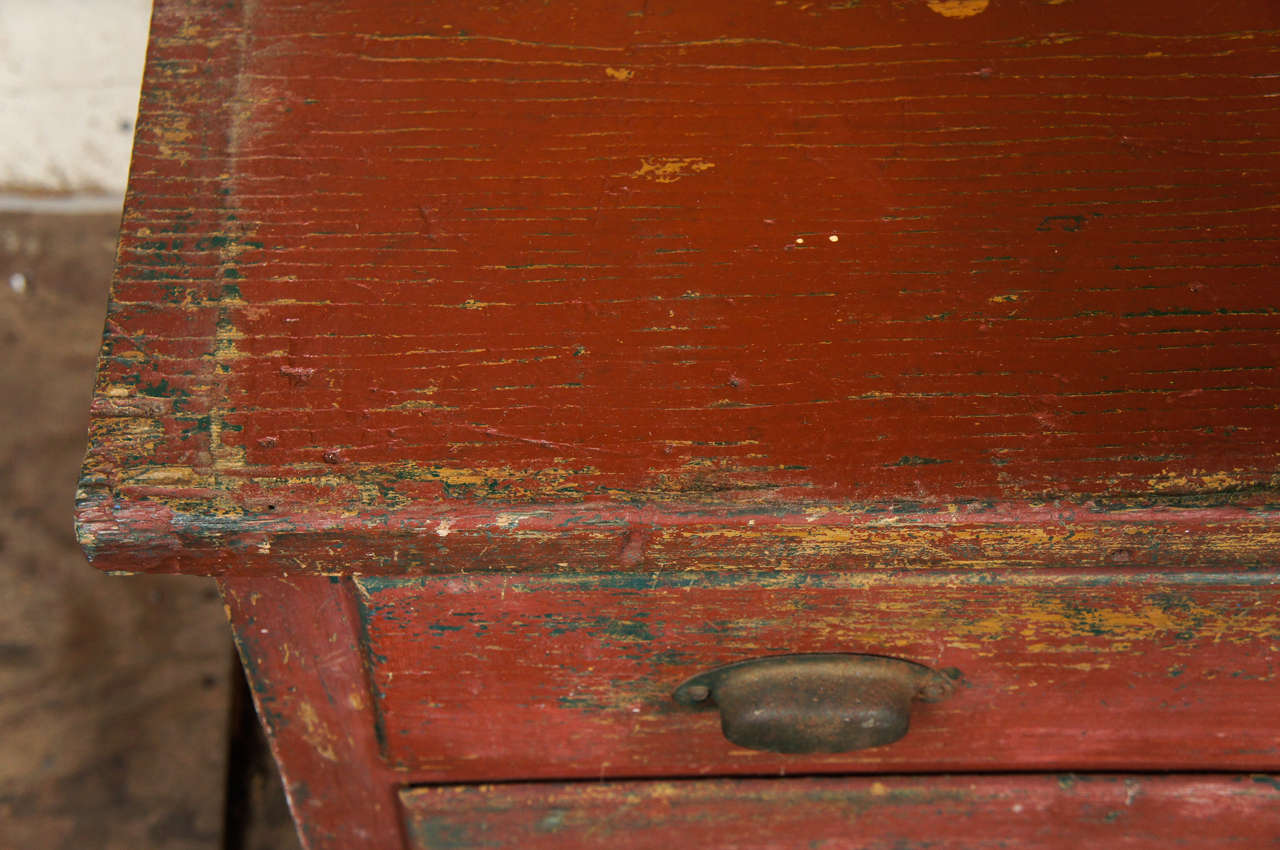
x,y
613,423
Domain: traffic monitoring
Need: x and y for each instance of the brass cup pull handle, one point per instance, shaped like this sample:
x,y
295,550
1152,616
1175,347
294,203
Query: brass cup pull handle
x,y
817,703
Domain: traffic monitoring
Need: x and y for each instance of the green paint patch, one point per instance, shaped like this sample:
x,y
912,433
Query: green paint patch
x,y
212,243
161,389
916,460
552,821
440,834
579,703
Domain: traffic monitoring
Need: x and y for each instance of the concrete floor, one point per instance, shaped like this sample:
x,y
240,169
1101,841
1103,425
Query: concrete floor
x,y
116,693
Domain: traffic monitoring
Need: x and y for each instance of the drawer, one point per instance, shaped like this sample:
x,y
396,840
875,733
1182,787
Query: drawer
x,y
886,813
573,675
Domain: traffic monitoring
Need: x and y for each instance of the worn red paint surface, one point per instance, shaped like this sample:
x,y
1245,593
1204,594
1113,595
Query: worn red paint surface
x,y
945,329
573,675
425,266
892,813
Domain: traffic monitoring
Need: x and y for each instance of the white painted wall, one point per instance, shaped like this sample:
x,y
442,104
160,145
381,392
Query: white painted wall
x,y
70,71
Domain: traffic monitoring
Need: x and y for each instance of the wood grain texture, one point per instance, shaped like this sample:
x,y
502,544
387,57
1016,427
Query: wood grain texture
x,y
573,675
418,268
891,813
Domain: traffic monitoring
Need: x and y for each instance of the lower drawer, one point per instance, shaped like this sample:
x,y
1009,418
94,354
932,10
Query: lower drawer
x,y
572,676
889,813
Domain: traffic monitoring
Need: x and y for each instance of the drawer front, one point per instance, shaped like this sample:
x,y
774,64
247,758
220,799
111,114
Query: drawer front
x,y
573,676
869,814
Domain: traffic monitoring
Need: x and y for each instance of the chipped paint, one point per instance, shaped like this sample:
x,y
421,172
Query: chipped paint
x,y
671,169
958,8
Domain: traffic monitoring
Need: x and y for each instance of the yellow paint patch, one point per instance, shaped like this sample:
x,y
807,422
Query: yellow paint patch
x,y
1001,299
958,8
171,139
171,476
620,74
316,733
419,404
1199,480
671,169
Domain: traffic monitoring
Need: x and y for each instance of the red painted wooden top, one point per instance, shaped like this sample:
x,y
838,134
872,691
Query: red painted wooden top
x,y
529,271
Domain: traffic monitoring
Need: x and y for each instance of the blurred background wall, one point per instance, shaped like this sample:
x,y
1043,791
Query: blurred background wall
x,y
69,77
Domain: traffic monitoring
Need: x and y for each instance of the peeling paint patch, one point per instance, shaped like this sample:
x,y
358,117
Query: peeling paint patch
x,y
671,169
316,732
958,8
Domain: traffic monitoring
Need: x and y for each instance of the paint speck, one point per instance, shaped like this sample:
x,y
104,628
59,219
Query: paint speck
x,y
445,526
958,8
297,375
620,74
333,456
799,240
833,238
18,282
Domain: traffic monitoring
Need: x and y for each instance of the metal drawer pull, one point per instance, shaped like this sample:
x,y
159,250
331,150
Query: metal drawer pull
x,y
818,703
